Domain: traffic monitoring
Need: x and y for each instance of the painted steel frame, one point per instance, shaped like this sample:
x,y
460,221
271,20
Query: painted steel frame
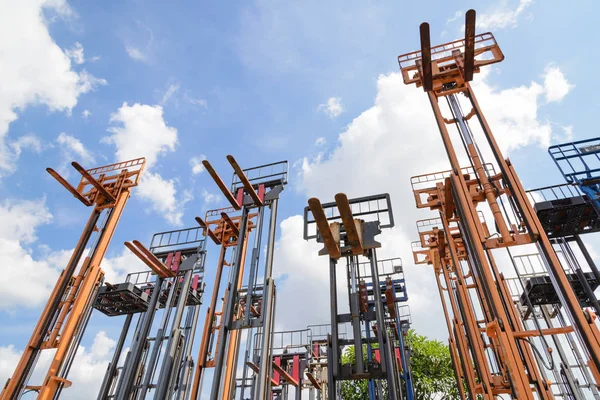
x,y
456,199
349,239
65,316
248,303
176,287
579,163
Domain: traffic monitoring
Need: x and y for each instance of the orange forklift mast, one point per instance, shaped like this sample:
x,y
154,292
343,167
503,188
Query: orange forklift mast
x,y
224,231
488,335
65,316
247,301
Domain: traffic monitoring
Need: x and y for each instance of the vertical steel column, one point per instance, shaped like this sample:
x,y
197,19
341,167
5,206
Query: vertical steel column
x,y
231,295
158,340
331,362
207,333
111,370
574,264
168,369
266,367
137,347
452,343
370,382
263,378
188,366
565,364
333,355
475,235
586,328
588,257
385,351
255,256
579,358
247,352
271,239
406,375
352,265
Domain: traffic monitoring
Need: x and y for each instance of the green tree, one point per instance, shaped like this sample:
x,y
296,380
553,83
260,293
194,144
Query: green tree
x,y
431,367
353,390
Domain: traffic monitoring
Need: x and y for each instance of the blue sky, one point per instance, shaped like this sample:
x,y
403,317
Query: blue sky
x,y
312,83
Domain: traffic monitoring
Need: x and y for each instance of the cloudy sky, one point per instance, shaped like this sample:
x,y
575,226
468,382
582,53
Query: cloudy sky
x,y
312,83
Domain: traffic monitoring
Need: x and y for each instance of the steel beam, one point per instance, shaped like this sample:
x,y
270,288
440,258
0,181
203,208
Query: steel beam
x,y
289,379
247,185
426,70
149,259
221,185
331,243
353,236
469,61
69,187
93,182
209,232
232,225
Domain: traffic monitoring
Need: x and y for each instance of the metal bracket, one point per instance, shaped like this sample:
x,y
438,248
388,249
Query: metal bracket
x,y
69,187
149,259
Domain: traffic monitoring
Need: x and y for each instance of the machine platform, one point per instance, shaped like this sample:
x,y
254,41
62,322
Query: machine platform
x,y
564,211
123,298
540,290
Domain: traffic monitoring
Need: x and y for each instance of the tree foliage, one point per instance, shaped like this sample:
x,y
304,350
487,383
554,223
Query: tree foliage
x,y
431,367
353,390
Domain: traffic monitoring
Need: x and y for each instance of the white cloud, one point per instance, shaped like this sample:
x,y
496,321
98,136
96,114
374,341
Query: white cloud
x,y
376,157
72,147
196,102
20,219
86,373
37,274
568,133
196,164
169,93
163,197
298,262
9,357
75,53
321,141
556,86
36,277
513,113
28,141
141,131
210,198
136,53
176,96
117,267
90,82
456,16
333,108
34,69
502,16
86,113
